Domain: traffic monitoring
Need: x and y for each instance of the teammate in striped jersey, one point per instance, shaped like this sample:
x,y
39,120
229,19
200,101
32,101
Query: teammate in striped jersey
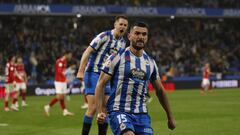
x,y
102,46
129,73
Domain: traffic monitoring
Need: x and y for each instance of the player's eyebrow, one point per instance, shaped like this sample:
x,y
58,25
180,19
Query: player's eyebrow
x,y
143,33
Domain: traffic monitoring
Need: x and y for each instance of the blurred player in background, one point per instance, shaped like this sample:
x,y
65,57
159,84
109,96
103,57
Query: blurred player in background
x,y
70,73
60,84
21,80
130,72
102,46
206,86
10,72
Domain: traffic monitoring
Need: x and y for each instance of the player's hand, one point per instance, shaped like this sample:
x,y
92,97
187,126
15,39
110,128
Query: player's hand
x,y
101,117
171,124
80,76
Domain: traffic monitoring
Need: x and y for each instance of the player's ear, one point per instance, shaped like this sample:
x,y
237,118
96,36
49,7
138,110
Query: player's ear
x,y
129,36
115,24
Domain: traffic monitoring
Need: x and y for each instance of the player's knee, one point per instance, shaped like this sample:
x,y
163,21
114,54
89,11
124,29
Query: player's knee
x,y
60,96
92,109
128,132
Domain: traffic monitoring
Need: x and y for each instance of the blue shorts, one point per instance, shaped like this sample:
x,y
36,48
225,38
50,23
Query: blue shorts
x,y
121,122
90,81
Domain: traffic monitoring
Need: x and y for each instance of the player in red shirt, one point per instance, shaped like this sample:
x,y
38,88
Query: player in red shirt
x,y
21,80
205,81
60,84
10,83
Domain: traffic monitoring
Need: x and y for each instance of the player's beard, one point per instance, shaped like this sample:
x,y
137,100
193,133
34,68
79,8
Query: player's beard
x,y
138,45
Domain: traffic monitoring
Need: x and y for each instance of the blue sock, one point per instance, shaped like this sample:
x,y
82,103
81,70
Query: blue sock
x,y
87,119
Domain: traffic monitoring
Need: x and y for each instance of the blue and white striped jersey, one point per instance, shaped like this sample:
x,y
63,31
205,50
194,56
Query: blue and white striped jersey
x,y
104,45
130,78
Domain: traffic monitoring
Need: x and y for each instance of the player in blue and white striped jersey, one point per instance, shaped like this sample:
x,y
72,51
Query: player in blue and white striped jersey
x,y
129,72
101,47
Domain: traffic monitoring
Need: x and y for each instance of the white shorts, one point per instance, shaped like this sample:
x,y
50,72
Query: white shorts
x,y
205,82
21,86
9,87
61,87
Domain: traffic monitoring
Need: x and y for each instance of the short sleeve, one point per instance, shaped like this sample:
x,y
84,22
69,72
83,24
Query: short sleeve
x,y
98,41
110,64
155,73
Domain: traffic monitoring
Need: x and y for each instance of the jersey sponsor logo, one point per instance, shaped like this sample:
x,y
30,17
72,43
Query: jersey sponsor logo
x,y
148,130
137,73
113,50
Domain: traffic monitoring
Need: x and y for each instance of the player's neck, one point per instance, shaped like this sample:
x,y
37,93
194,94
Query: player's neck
x,y
135,52
115,34
63,58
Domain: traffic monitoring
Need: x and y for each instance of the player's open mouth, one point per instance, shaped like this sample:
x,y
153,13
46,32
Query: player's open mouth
x,y
121,31
140,42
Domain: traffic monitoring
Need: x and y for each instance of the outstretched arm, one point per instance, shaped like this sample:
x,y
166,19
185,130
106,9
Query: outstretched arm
x,y
160,92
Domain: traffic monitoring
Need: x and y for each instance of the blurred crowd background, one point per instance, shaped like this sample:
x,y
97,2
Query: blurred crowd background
x,y
180,46
163,3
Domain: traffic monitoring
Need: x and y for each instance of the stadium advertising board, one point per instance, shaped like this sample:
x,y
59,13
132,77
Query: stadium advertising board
x,y
225,84
46,90
111,10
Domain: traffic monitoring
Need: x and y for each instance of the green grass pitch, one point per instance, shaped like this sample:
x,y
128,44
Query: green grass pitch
x,y
216,113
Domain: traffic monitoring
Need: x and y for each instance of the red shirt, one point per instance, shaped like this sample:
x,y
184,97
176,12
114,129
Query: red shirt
x,y
61,66
21,73
9,72
206,73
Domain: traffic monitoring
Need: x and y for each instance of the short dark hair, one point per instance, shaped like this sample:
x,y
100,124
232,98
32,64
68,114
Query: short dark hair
x,y
67,51
10,56
139,24
121,16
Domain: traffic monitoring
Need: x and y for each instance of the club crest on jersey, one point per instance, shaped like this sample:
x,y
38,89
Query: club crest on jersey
x,y
122,126
137,73
127,58
146,62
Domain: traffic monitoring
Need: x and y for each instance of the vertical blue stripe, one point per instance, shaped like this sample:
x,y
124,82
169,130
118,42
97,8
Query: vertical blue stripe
x,y
135,86
116,43
127,68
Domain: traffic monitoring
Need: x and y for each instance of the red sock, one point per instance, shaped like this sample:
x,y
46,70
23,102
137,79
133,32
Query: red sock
x,y
14,100
53,102
62,104
6,104
23,96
